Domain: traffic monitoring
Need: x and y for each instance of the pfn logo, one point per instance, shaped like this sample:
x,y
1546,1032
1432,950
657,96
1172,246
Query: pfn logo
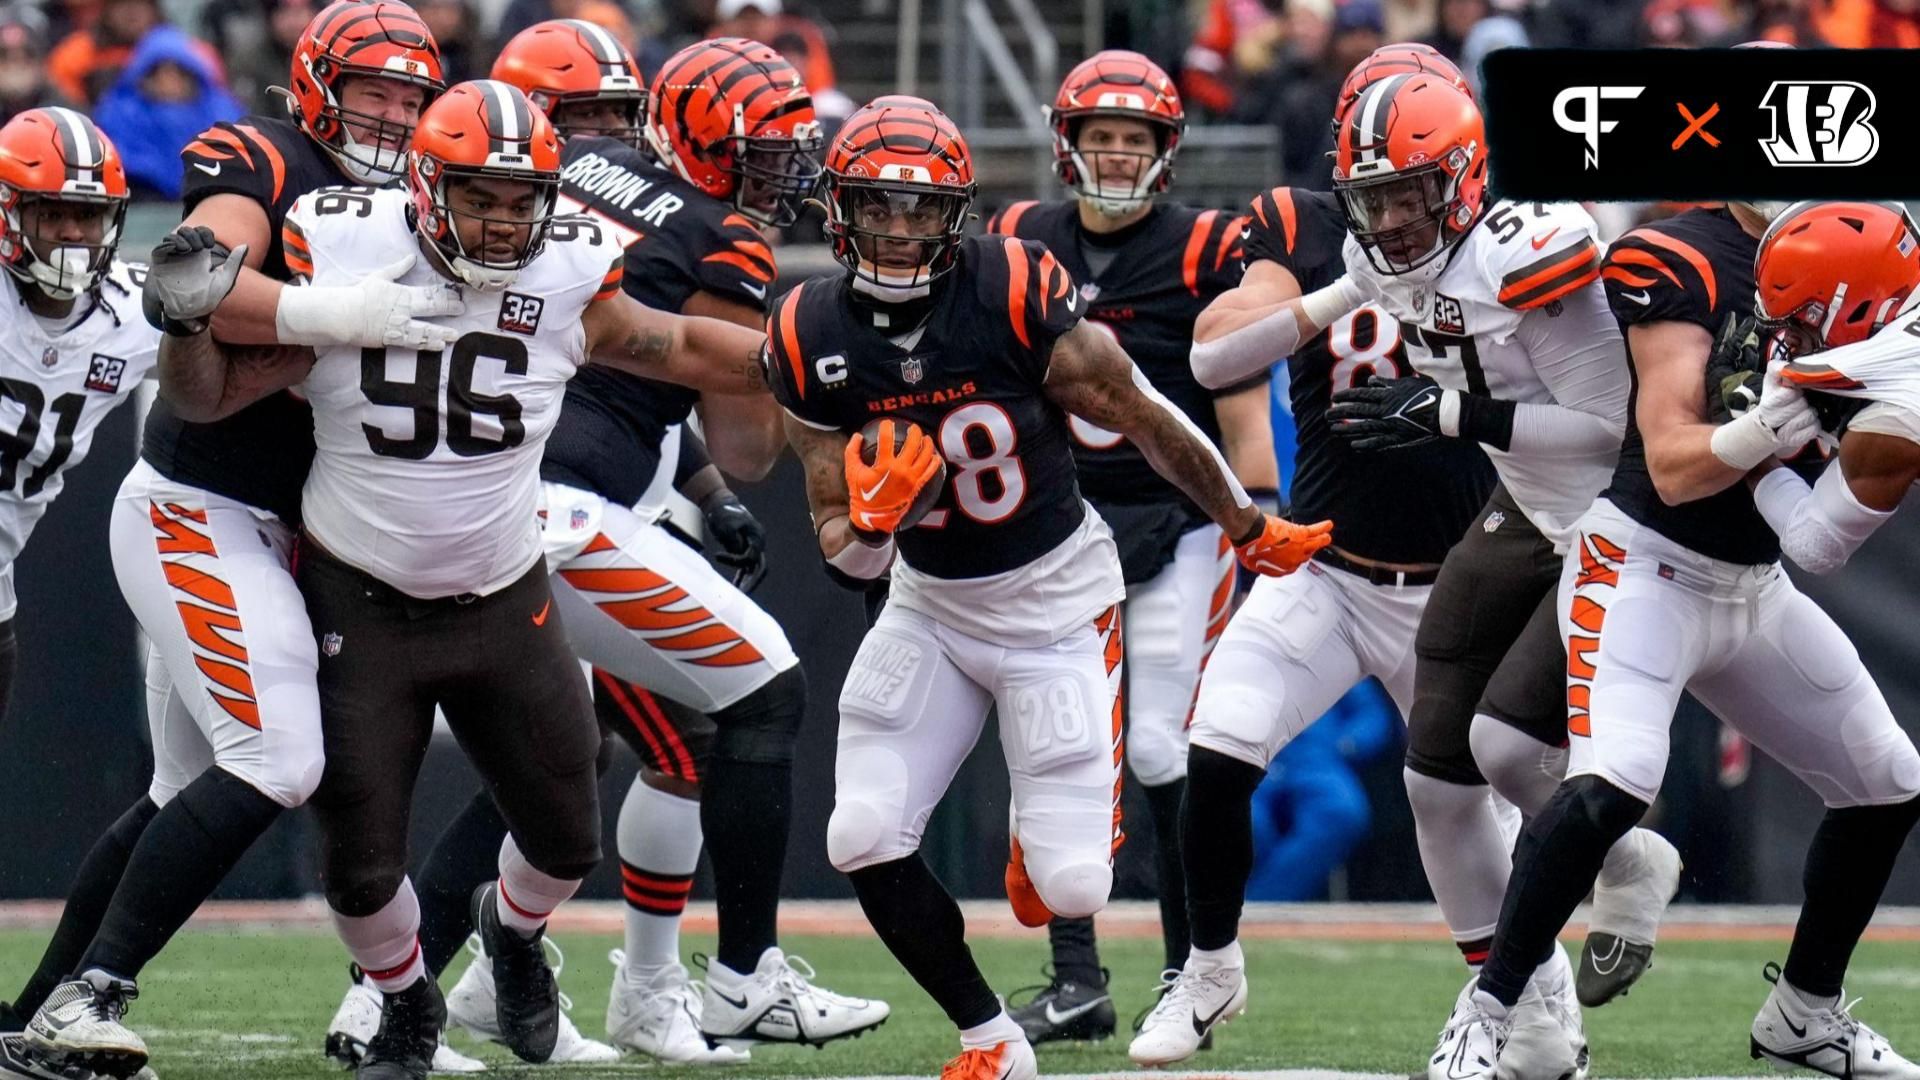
x,y
1588,124
1820,123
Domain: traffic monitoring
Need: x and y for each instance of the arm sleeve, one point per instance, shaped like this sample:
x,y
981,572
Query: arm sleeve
x,y
1581,357
1819,527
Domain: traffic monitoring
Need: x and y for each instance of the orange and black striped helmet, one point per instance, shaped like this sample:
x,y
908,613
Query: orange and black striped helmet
x,y
1410,167
380,39
580,76
735,119
1831,273
484,130
57,155
898,158
1399,58
1120,84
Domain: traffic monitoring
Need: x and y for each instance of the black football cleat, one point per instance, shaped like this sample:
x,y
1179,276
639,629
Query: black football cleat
x,y
1066,1011
410,1023
526,999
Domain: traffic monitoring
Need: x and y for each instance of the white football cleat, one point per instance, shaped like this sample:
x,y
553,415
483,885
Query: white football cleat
x,y
80,1025
1470,1044
357,1021
661,1019
1010,1060
780,1003
1554,981
470,1007
1789,1033
1191,1003
19,1062
1626,918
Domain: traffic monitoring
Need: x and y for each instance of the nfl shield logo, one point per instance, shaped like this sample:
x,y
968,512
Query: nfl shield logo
x,y
1089,292
1494,521
578,519
330,644
911,369
50,358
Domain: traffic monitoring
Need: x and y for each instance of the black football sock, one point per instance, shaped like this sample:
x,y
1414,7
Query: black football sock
x,y
745,808
922,926
465,856
1554,867
181,857
1216,843
1075,956
87,901
1847,868
1163,803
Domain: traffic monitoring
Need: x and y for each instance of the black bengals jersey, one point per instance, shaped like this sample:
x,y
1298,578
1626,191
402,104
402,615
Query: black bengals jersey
x,y
972,380
1168,267
259,455
1398,506
679,241
1696,267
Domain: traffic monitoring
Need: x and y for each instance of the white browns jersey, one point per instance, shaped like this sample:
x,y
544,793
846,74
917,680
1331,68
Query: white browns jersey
x,y
1884,370
54,391
428,470
1521,264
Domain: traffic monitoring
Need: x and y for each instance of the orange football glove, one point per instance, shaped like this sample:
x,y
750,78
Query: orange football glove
x,y
879,495
1281,547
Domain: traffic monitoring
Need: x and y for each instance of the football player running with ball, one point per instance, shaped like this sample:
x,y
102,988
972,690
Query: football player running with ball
x,y
1146,269
1006,585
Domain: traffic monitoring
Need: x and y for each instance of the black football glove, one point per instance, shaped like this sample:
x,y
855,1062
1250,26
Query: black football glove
x,y
1388,414
738,539
1736,369
191,273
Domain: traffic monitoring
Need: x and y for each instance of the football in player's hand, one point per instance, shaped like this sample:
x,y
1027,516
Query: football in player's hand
x,y
930,492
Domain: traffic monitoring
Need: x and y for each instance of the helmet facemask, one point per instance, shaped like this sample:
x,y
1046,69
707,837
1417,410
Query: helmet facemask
x,y
568,113
439,186
1080,167
383,159
774,174
1401,217
59,269
892,265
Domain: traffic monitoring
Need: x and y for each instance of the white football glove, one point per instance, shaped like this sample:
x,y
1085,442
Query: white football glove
x,y
1778,426
376,313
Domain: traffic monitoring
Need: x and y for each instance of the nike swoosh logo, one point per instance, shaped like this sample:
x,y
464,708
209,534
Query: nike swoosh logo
x,y
541,619
1540,241
210,170
869,493
1201,1027
1641,297
1246,234
759,291
1611,960
1061,1016
1798,1032
740,1004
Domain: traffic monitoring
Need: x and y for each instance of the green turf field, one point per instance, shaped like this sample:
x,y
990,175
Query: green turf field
x,y
253,1006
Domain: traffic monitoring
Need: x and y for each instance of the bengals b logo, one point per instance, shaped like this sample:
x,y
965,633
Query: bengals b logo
x,y
1820,123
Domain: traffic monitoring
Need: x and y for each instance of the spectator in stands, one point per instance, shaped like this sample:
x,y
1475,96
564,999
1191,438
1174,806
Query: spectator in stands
x,y
1867,24
1682,24
1503,29
800,39
89,60
1456,20
23,51
1297,96
456,29
1312,811
1587,24
167,94
1240,41
257,38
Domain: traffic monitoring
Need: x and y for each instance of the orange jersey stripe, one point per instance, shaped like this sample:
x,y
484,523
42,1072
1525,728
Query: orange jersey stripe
x,y
204,626
739,655
610,285
176,536
1625,277
752,268
1196,245
1229,242
790,341
1574,258
614,580
275,162
1688,252
1636,257
700,637
1017,289
646,614
202,586
1289,215
1009,220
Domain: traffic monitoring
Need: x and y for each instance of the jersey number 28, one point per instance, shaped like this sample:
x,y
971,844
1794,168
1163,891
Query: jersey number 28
x,y
422,395
988,428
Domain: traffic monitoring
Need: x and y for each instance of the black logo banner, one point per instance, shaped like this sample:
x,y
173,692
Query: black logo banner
x,y
1702,124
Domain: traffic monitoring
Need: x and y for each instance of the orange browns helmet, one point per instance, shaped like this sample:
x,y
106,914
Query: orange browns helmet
x,y
1399,58
363,38
898,157
483,130
58,155
1831,273
565,63
1123,84
1410,167
735,119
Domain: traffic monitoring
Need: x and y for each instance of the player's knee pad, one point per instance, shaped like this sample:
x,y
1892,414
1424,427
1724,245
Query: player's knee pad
x,y
761,727
860,834
1524,770
1157,748
1240,720
1073,885
1886,767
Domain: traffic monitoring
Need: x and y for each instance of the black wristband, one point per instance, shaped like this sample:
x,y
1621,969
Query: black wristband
x,y
1253,534
1486,420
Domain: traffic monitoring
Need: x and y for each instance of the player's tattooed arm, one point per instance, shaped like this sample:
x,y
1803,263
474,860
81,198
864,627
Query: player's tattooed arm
x,y
1092,377
205,380
708,355
822,456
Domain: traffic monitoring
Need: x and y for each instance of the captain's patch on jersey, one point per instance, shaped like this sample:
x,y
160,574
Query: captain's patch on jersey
x,y
103,373
520,314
